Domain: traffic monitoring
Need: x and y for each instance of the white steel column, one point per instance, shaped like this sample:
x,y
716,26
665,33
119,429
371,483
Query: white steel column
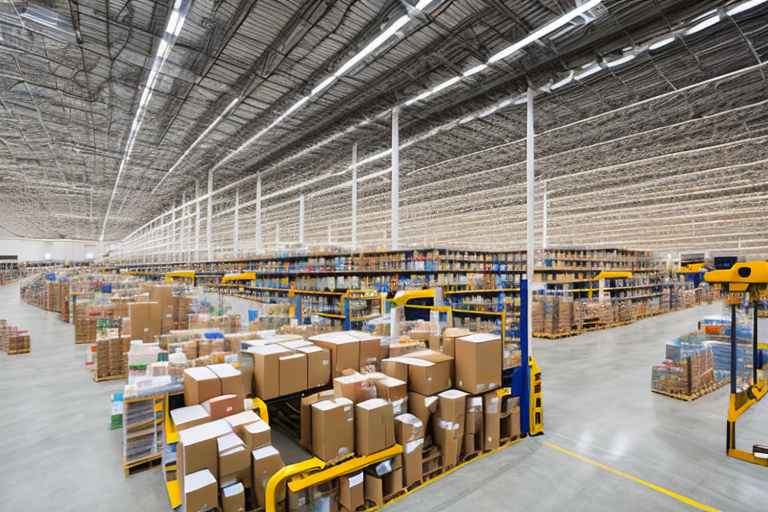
x,y
354,196
209,217
258,214
301,220
236,235
183,227
189,233
544,222
172,245
530,256
197,221
395,177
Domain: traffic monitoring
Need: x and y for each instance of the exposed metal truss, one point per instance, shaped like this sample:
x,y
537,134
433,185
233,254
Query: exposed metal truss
x,y
661,148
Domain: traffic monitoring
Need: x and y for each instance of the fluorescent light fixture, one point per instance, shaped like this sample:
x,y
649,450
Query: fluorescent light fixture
x,y
588,72
543,31
475,70
662,43
47,255
702,25
172,21
423,4
621,60
295,107
325,83
445,84
162,47
745,6
564,81
373,45
419,97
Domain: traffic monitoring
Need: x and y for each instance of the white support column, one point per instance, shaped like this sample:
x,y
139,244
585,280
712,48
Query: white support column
x,y
395,178
530,256
354,196
301,220
544,222
258,215
236,234
183,227
172,245
189,233
197,221
209,217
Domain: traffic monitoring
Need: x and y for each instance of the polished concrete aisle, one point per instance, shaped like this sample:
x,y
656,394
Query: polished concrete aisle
x,y
57,452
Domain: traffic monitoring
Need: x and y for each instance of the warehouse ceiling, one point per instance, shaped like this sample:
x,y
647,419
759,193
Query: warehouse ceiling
x,y
650,120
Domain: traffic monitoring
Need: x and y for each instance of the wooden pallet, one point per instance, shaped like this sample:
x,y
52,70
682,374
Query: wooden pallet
x,y
694,396
132,468
111,377
16,352
471,455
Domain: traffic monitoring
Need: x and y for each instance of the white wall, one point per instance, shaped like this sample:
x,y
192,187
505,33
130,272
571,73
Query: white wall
x,y
31,249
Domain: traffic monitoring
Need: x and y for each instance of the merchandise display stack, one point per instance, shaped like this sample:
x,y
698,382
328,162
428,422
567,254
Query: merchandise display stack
x,y
111,358
12,340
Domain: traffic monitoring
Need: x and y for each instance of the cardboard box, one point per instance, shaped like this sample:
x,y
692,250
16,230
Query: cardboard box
x,y
491,420
402,349
293,373
266,370
222,406
306,416
408,428
395,368
478,362
510,424
453,404
423,407
244,476
449,425
233,498
391,389
318,365
449,439
449,340
155,319
374,426
370,350
234,455
200,384
199,449
393,482
266,462
138,312
351,492
344,349
200,491
429,372
333,428
374,490
257,435
231,379
353,387
474,416
188,417
412,461
240,420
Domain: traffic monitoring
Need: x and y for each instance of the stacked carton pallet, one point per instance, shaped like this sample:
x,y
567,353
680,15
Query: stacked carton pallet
x,y
111,360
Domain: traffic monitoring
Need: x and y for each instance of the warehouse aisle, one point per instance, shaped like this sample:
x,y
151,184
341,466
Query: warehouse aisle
x,y
59,453
598,405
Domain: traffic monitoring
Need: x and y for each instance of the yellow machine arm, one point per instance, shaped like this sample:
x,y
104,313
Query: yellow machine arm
x,y
752,276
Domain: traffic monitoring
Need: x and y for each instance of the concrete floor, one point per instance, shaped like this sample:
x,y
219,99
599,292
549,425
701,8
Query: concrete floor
x,y
57,452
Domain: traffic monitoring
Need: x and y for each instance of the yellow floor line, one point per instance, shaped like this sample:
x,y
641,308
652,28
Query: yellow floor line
x,y
678,497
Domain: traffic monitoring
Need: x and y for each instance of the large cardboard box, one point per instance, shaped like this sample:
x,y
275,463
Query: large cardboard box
x,y
233,498
355,387
266,462
293,373
138,312
200,384
510,424
344,349
474,417
234,455
478,362
333,428
199,449
266,370
409,433
155,319
391,389
393,482
231,379
374,490
449,425
222,406
395,368
429,372
257,435
370,349
423,407
188,417
163,295
491,420
449,340
306,416
351,492
239,421
403,349
374,426
200,491
453,404
318,365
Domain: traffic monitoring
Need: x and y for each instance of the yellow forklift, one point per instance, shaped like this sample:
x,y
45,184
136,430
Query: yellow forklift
x,y
750,277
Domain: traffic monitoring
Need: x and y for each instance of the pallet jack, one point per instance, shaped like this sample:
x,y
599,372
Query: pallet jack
x,y
750,277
